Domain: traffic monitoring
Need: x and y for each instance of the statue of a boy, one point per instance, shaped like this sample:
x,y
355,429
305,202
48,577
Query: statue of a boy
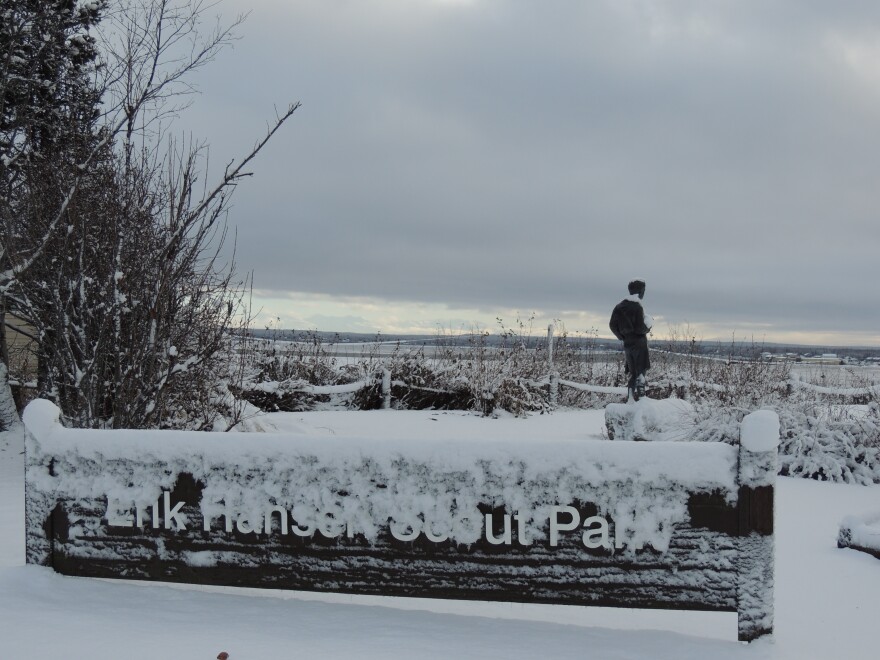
x,y
631,325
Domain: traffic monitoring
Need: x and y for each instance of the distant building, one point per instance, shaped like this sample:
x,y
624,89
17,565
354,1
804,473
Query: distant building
x,y
767,356
825,358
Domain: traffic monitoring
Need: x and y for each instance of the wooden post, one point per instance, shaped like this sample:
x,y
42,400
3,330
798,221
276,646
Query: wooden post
x,y
759,440
554,377
386,389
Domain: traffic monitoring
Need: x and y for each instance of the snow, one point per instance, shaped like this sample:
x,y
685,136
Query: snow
x,y
760,431
873,390
648,319
649,419
42,418
759,439
826,598
273,386
861,532
409,479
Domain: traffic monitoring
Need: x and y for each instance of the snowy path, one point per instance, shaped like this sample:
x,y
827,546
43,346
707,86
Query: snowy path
x,y
826,598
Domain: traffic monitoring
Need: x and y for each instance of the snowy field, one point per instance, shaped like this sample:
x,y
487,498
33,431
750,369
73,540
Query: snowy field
x,y
827,599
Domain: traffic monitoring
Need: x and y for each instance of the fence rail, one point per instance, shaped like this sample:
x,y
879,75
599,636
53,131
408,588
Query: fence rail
x,y
552,383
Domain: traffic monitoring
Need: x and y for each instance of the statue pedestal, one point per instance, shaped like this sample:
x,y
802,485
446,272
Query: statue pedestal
x,y
649,419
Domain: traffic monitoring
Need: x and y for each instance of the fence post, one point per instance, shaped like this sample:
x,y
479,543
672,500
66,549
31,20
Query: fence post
x,y
554,377
386,389
759,440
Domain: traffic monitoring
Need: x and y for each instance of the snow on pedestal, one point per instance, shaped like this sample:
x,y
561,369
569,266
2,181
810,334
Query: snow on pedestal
x,y
648,419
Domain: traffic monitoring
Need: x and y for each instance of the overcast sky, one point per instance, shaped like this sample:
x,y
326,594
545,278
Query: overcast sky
x,y
459,160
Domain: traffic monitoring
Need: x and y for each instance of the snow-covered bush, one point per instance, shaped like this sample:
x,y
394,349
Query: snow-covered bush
x,y
845,448
842,447
471,376
278,374
306,360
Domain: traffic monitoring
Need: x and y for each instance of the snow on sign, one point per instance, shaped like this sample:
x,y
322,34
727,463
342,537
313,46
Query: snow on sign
x,y
631,524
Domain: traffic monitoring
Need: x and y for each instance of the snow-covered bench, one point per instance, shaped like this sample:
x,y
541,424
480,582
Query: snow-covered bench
x,y
657,525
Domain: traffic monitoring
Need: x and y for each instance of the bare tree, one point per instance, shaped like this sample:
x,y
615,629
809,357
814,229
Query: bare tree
x,y
120,268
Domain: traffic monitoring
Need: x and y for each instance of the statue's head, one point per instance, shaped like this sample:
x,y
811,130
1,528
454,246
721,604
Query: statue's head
x,y
637,288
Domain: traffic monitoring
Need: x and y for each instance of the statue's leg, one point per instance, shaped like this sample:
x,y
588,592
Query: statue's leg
x,y
633,371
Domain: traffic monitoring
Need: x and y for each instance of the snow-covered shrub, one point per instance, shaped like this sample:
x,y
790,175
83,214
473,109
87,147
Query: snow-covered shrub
x,y
519,397
475,376
280,372
420,383
845,448
304,360
719,425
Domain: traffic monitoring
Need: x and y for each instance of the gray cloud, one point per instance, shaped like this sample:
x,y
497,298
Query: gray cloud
x,y
535,155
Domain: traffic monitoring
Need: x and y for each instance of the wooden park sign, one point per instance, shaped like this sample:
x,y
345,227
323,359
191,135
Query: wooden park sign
x,y
631,524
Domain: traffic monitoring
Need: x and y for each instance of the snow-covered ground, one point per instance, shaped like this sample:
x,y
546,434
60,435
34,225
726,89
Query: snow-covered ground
x,y
827,599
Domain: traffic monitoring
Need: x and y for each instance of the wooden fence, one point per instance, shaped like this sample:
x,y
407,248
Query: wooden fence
x,y
553,382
